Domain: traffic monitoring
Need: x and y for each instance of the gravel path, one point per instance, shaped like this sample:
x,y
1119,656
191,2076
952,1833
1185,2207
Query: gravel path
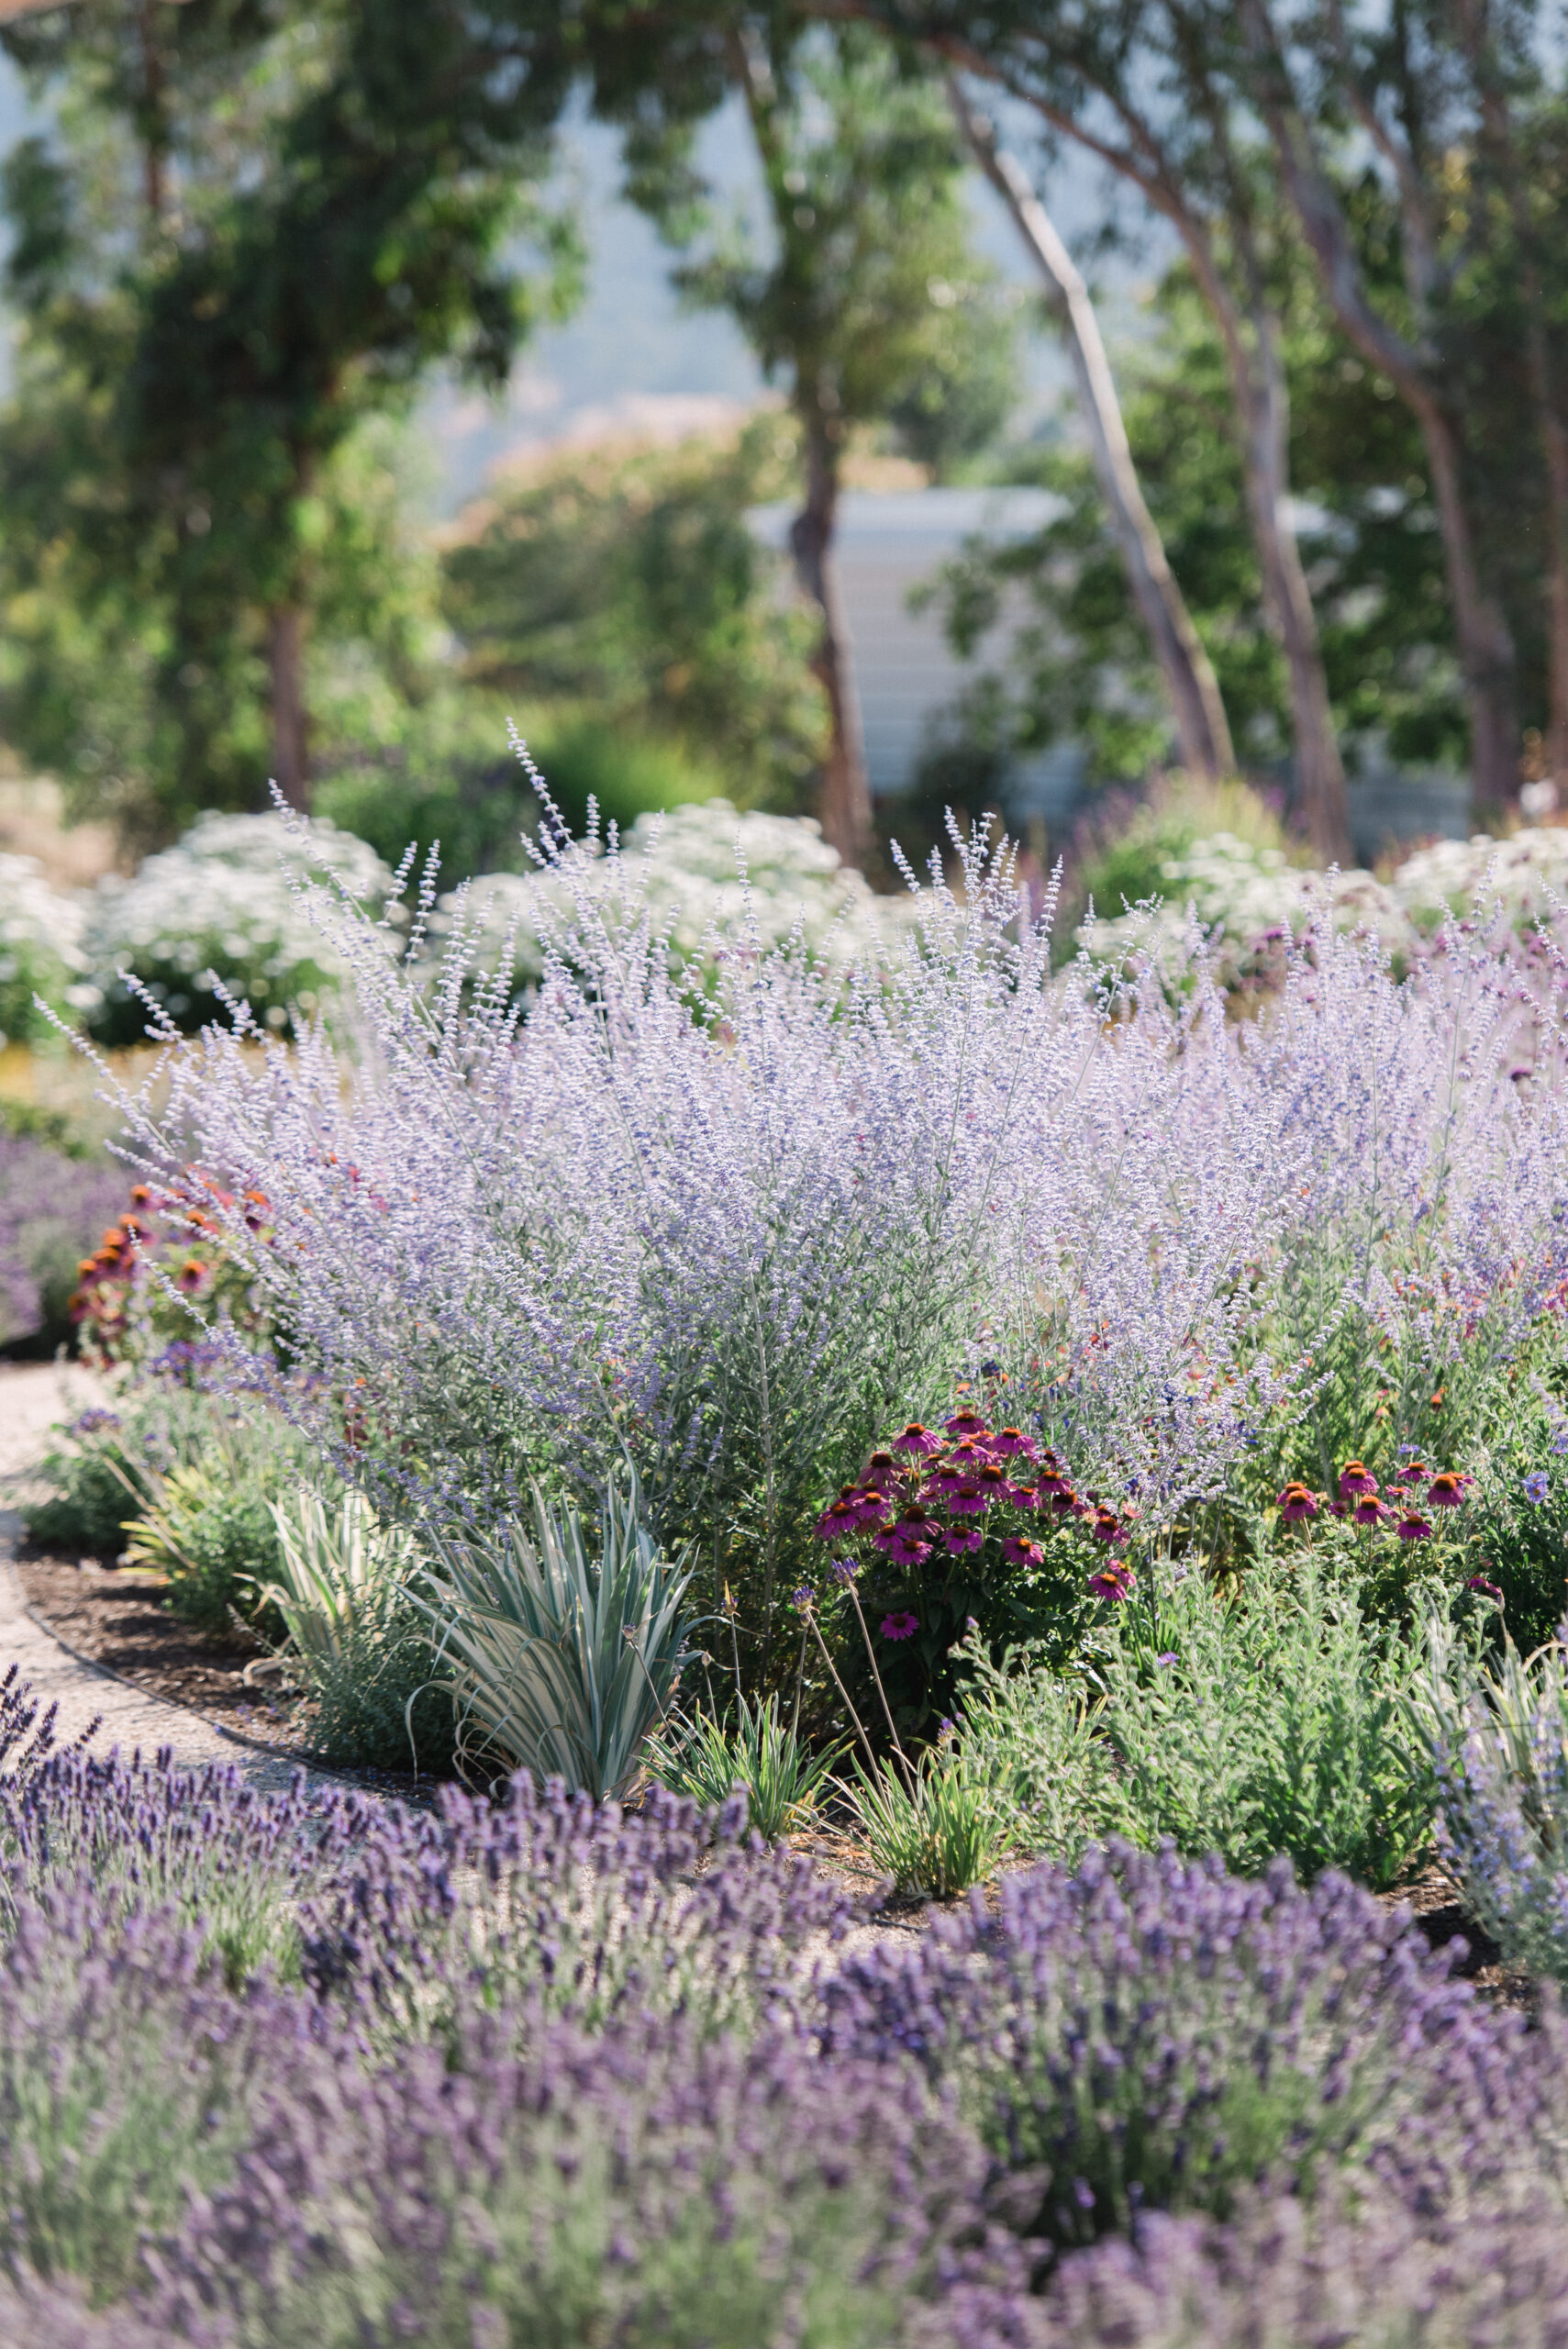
x,y
33,1397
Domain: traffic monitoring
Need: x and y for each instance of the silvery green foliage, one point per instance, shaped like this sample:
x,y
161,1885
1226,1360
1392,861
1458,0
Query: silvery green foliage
x,y
563,1651
42,952
736,1234
1499,1745
224,901
705,874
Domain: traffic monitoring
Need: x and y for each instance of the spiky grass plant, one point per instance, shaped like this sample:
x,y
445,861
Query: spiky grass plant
x,y
758,1751
565,1657
360,1648
937,1825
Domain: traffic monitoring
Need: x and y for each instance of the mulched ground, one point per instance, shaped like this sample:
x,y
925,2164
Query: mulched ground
x,y
118,1617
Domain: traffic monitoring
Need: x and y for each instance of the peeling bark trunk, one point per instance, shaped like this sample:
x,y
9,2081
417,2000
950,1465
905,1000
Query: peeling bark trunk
x,y
1197,709
290,724
844,806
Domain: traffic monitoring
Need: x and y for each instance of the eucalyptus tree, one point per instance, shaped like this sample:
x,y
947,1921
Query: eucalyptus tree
x,y
1457,107
1150,88
864,295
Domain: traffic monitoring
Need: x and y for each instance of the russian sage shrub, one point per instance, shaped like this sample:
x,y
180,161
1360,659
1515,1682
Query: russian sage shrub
x,y
739,1230
1151,2033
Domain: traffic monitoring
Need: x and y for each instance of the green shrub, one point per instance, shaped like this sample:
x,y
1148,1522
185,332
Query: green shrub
x,y
937,1825
1035,1734
1271,1721
97,1490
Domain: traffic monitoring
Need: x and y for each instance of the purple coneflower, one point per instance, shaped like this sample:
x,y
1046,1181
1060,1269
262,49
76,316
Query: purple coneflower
x,y
1353,1479
965,1424
1483,1589
1447,1490
1107,1526
960,1537
902,1626
842,1518
1114,1580
1012,1444
968,1500
1368,1510
1019,1553
1296,1502
919,1441
1412,1527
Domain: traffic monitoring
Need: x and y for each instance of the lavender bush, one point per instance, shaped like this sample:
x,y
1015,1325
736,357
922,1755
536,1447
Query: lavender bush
x,y
551,2074
1150,2033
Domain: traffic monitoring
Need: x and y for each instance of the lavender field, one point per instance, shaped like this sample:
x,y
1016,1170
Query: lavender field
x,y
1089,1438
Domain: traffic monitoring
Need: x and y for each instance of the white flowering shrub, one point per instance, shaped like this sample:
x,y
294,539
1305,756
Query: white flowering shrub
x,y
40,952
703,875
222,904
1523,874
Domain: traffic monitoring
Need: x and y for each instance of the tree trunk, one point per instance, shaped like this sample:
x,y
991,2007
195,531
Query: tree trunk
x,y
1263,402
1203,735
290,724
844,806
1481,632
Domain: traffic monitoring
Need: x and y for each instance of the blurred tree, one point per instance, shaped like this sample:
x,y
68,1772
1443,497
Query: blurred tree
x,y
326,203
626,580
868,298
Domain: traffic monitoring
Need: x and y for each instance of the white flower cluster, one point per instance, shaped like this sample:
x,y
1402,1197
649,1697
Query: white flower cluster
x,y
221,902
41,952
702,873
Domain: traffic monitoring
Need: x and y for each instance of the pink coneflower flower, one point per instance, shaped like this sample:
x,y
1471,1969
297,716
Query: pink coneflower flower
x,y
1019,1553
947,1476
915,1524
994,1483
965,1424
1353,1479
907,1548
967,1499
1483,1589
919,1441
902,1626
840,1519
1114,1580
960,1537
1447,1490
1368,1510
879,1467
869,1507
192,1277
1412,1527
1107,1526
1063,1499
1297,1501
1053,1481
1339,1508
1012,1444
